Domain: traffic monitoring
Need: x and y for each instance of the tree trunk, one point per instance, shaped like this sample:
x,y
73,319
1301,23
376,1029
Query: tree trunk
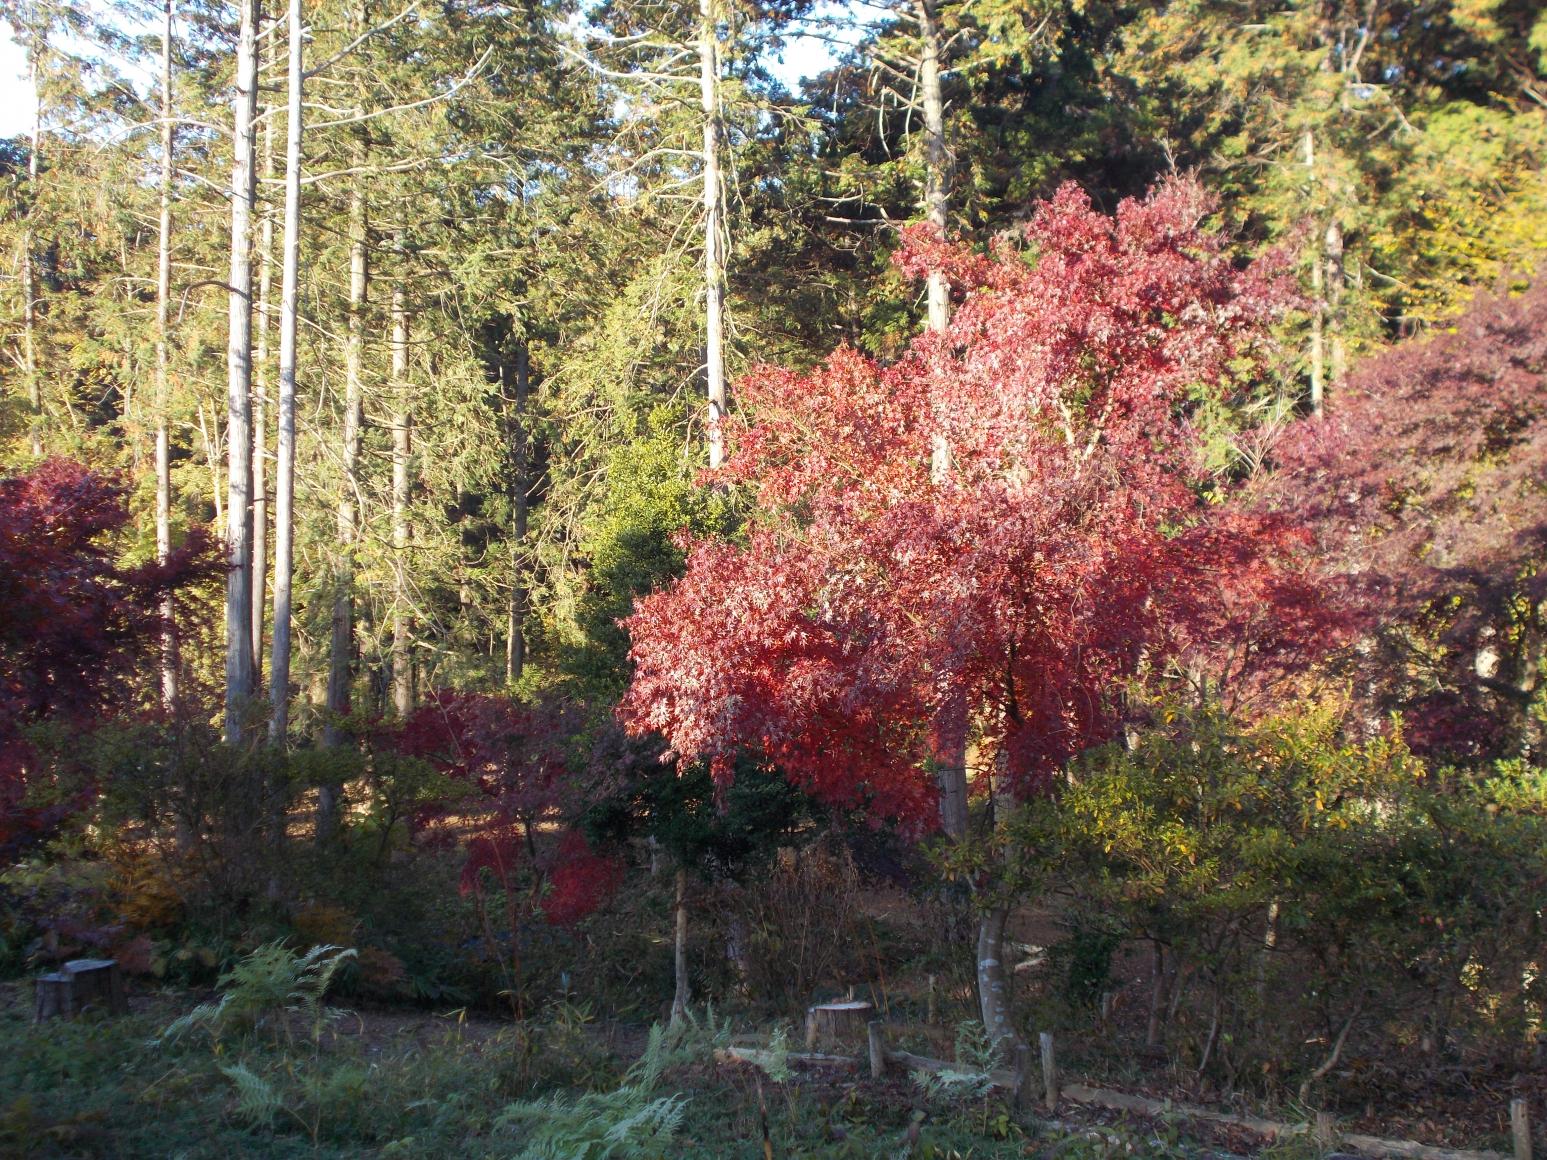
x,y
937,158
1318,353
29,274
515,635
950,725
1155,1027
341,647
284,450
714,214
239,686
260,399
163,379
402,450
1334,281
994,982
683,995
948,743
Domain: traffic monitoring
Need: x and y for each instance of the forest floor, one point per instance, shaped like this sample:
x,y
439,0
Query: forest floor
x,y
402,1082
406,1083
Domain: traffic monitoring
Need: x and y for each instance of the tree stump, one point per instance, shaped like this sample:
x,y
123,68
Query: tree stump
x,y
841,1022
82,985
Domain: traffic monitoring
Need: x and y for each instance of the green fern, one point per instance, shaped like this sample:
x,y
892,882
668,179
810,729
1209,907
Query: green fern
x,y
976,1058
257,1101
777,1066
630,1123
270,980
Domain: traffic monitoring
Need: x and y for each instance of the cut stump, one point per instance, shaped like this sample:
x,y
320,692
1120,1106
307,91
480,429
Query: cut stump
x,y
81,985
844,1022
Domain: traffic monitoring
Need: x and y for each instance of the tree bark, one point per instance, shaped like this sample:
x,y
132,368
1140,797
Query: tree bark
x,y
260,400
239,684
683,995
994,982
284,450
163,378
515,634
341,645
1318,353
402,451
714,215
1335,280
29,274
937,158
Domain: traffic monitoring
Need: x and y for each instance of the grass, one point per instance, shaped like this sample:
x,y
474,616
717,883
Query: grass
x,y
409,1086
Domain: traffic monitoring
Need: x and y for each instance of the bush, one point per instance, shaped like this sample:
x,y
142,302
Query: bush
x,y
1308,897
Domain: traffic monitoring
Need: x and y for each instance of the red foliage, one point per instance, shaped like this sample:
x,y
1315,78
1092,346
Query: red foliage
x,y
517,756
1066,552
78,628
514,753
581,881
1427,487
497,851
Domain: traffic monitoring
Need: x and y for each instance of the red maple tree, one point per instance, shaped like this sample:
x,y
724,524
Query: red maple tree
x,y
1067,550
78,627
1426,487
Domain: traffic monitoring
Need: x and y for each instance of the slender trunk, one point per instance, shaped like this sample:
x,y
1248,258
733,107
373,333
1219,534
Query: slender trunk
x,y
515,637
239,686
341,646
949,731
994,982
29,274
714,225
212,458
683,996
260,423
937,158
284,449
948,743
163,381
402,450
1334,282
1318,352
1156,1025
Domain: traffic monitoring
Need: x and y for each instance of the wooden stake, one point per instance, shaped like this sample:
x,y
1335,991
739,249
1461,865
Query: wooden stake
x,y
1520,1128
1326,1133
929,1015
877,1049
1049,1071
810,1029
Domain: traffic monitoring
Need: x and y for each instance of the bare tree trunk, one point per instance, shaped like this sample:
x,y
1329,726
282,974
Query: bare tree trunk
x,y
1157,1014
993,982
949,729
260,436
948,744
1335,280
1318,355
714,225
284,450
402,450
163,380
515,637
29,274
937,158
341,647
683,995
239,686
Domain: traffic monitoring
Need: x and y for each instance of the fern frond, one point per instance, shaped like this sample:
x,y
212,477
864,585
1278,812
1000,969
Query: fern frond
x,y
257,1102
